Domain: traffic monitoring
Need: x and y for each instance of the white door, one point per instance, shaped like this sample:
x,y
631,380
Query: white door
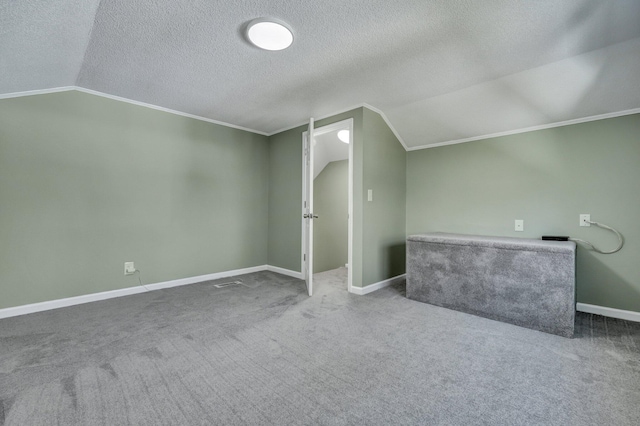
x,y
307,210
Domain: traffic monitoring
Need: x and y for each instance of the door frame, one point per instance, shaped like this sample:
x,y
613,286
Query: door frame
x,y
339,125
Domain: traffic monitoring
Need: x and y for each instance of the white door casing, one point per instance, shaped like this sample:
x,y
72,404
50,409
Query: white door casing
x,y
307,208
307,199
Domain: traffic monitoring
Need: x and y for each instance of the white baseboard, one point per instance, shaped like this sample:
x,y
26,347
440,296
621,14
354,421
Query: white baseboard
x,y
207,277
94,297
608,312
287,272
377,286
69,301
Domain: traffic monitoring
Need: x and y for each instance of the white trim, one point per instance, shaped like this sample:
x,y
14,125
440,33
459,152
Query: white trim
x,y
288,272
342,111
87,298
129,101
303,234
308,276
386,120
338,125
608,312
350,209
361,105
69,301
170,111
377,286
207,277
530,129
36,92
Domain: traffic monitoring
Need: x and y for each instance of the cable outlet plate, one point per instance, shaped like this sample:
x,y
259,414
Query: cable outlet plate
x,y
519,225
129,268
584,219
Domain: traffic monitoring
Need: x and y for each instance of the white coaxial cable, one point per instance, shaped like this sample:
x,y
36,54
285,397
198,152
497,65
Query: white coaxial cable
x,y
594,248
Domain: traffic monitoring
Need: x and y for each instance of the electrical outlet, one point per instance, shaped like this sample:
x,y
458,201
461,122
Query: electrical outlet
x,y
585,219
519,226
129,268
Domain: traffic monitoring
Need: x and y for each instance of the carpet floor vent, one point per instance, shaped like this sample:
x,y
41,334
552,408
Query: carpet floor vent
x,y
230,283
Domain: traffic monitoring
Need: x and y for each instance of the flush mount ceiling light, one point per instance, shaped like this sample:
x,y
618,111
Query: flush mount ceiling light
x,y
269,34
343,135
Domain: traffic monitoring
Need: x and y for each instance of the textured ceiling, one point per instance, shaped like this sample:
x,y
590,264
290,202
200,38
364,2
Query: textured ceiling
x,y
440,70
42,43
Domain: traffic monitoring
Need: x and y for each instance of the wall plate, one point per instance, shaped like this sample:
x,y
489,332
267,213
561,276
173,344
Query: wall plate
x,y
584,219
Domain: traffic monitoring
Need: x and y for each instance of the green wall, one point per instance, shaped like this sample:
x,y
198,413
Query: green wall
x,y
285,200
87,183
331,204
384,163
547,178
379,163
285,195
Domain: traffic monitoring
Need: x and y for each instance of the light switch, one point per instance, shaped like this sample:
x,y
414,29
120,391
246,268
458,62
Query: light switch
x,y
519,225
370,195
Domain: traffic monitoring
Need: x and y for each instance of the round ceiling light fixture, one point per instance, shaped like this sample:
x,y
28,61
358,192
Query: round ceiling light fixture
x,y
343,135
269,34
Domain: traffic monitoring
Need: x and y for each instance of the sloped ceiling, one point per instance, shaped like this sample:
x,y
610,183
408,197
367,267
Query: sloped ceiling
x,y
42,43
440,70
328,148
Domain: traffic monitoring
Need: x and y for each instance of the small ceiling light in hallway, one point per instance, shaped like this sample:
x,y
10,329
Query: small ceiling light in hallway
x,y
343,135
268,34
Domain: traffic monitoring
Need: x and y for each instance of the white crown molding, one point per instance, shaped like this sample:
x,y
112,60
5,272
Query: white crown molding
x,y
530,129
170,111
306,123
608,312
94,297
386,120
129,101
36,92
342,111
361,105
377,286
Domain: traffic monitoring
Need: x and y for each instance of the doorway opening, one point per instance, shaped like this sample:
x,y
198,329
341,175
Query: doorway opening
x,y
327,224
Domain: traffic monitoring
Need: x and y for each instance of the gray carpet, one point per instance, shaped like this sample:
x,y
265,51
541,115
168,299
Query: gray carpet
x,y
265,353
